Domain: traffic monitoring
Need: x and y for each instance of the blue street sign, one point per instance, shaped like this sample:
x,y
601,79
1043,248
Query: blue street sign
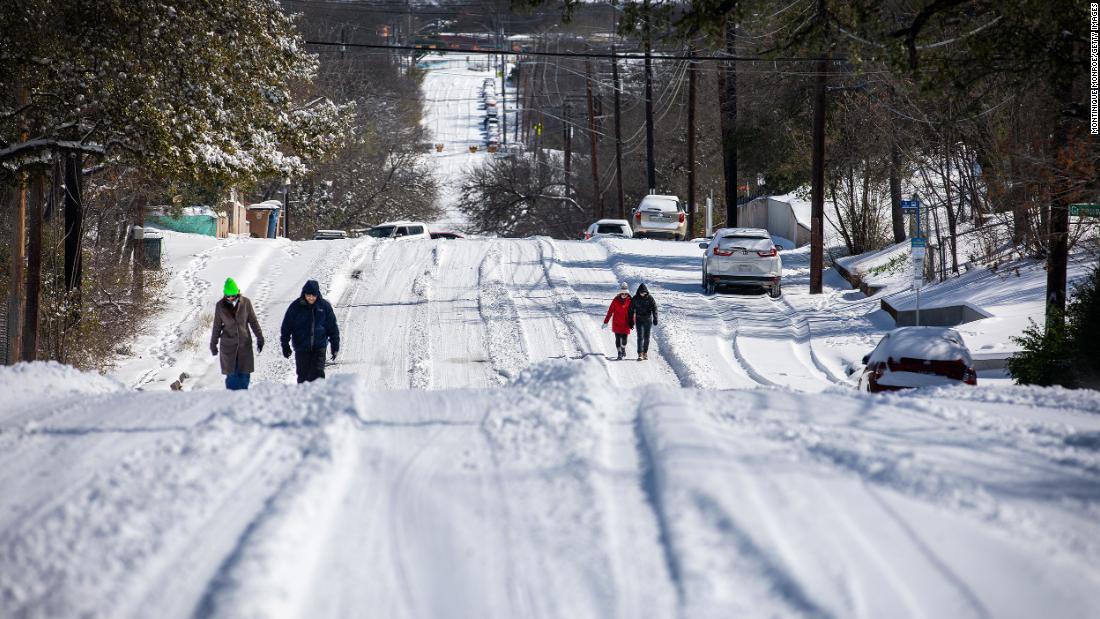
x,y
916,242
910,206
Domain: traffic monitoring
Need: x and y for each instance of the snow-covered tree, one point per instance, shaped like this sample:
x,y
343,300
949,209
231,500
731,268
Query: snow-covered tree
x,y
186,89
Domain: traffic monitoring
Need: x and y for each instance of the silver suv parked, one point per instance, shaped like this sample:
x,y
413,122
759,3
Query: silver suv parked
x,y
741,257
660,216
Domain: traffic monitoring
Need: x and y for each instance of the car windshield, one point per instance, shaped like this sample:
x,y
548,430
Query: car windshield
x,y
609,229
381,232
751,243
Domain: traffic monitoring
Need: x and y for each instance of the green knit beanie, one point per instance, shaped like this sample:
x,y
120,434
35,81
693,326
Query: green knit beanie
x,y
231,288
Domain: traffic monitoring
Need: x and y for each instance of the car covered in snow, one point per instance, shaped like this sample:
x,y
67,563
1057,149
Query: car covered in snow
x,y
909,357
659,216
400,230
329,235
742,257
609,227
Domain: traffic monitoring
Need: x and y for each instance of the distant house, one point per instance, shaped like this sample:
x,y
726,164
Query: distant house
x,y
786,216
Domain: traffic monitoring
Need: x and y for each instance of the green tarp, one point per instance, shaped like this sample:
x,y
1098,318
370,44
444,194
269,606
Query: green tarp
x,y
193,224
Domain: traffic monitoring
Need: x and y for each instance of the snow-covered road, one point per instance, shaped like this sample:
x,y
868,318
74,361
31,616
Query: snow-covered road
x,y
476,453
453,113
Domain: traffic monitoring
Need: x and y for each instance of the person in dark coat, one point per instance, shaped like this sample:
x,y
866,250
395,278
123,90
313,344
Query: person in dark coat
x,y
310,325
643,315
618,314
233,317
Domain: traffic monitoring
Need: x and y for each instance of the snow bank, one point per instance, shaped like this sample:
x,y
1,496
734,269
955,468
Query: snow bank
x,y
591,500
24,385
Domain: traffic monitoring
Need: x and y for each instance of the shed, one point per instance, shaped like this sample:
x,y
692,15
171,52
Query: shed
x,y
786,216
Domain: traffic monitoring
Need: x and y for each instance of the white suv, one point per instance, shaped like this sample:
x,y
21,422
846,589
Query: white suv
x,y
741,257
400,230
660,216
609,227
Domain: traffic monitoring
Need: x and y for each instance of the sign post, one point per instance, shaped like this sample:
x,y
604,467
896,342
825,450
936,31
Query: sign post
x,y
912,207
917,246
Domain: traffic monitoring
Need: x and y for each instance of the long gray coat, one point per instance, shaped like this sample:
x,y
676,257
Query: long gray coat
x,y
231,338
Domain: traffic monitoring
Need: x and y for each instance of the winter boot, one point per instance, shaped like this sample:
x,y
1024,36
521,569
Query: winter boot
x,y
622,353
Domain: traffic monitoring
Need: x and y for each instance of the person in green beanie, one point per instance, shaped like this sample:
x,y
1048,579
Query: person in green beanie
x,y
230,337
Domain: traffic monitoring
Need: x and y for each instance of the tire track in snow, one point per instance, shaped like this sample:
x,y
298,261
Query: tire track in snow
x,y
768,324
710,541
503,332
564,298
652,482
420,345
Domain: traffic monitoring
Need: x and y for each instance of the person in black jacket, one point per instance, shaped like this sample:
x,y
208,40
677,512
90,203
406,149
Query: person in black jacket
x,y
310,324
643,315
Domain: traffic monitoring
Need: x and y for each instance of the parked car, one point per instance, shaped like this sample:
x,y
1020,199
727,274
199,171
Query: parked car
x,y
909,357
742,257
446,234
329,235
660,216
609,227
400,230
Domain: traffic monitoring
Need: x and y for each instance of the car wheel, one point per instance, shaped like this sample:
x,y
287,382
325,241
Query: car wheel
x,y
775,291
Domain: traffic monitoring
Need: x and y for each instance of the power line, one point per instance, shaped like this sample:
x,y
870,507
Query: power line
x,y
620,56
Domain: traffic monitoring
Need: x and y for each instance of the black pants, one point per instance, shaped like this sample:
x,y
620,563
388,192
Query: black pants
x,y
310,364
620,340
643,335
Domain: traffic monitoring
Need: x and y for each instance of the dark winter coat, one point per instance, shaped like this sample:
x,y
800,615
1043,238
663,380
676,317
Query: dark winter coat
x,y
230,335
643,308
309,327
619,314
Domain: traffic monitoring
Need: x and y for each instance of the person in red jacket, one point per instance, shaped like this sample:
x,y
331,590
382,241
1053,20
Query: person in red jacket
x,y
619,316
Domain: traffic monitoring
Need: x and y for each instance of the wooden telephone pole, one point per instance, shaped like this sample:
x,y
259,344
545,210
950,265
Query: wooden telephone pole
x,y
593,140
691,145
618,132
817,173
650,164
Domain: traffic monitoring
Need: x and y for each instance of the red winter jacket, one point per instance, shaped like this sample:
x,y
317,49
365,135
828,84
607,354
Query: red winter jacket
x,y
618,314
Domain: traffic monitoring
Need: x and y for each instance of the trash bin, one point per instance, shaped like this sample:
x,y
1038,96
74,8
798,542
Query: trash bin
x,y
258,222
151,246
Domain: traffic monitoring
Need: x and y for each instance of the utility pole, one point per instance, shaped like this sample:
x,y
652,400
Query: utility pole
x,y
691,144
503,93
729,118
817,173
618,132
593,141
34,271
650,165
